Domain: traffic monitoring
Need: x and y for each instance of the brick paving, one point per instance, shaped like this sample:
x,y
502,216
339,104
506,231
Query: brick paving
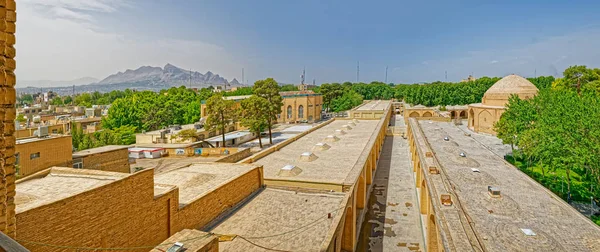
x,y
393,220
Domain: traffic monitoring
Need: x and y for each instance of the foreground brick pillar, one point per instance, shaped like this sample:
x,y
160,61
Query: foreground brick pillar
x,y
8,17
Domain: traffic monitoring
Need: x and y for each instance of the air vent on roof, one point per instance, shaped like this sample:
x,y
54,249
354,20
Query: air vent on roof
x,y
289,171
355,121
321,146
446,199
331,138
494,191
346,127
433,170
308,156
340,132
352,124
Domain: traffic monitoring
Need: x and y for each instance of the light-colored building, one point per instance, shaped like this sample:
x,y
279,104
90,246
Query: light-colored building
x,y
88,125
482,116
298,106
325,173
100,209
113,158
480,202
36,154
232,138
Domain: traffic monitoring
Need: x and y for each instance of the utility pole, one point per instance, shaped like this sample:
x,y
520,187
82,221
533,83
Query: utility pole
x,y
243,76
446,76
386,68
535,73
73,98
190,78
303,75
357,71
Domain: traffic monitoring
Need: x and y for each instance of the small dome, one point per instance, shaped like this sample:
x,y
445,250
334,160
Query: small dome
x,y
331,138
355,121
340,132
289,171
321,146
346,127
308,156
352,124
498,94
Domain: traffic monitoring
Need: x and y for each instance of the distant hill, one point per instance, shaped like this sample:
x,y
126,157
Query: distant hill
x,y
142,78
51,83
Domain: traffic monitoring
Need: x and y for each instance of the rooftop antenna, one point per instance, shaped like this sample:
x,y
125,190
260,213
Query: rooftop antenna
x,y
313,82
386,68
243,76
303,75
446,74
357,71
535,73
73,98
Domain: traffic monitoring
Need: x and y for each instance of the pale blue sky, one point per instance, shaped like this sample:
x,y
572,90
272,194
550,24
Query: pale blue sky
x,y
418,40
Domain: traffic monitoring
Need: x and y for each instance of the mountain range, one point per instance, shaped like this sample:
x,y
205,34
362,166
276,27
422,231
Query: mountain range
x,y
142,78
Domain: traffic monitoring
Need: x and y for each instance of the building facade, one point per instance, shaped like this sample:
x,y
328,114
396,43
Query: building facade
x,y
35,154
298,106
113,158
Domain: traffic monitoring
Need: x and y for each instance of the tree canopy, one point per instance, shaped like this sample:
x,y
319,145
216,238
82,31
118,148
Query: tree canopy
x,y
269,90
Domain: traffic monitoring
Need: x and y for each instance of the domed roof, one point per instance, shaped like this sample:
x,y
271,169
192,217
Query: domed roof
x,y
499,93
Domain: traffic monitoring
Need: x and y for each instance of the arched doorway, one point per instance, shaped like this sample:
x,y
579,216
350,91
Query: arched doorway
x,y
427,114
485,121
289,112
423,198
463,114
452,114
432,234
414,114
300,112
471,118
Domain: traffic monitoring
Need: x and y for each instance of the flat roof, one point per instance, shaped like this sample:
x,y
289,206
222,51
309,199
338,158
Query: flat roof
x,y
332,165
200,178
89,119
92,151
229,136
524,204
183,127
166,145
37,139
298,128
375,105
192,240
287,220
59,183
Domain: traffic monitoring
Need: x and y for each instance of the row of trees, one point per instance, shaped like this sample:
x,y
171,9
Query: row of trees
x,y
258,112
555,136
123,135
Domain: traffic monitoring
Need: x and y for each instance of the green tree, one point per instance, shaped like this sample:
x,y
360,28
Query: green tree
x,y
255,115
518,117
67,100
269,90
57,101
220,114
21,118
187,134
347,101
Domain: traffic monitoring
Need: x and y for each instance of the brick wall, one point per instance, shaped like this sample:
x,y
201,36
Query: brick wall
x,y
115,161
126,213
238,155
52,152
8,17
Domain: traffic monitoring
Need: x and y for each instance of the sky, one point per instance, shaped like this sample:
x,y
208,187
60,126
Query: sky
x,y
418,41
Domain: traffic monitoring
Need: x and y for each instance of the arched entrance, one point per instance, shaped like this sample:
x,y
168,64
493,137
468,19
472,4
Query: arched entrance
x,y
471,118
427,114
300,112
423,198
463,114
432,234
414,114
485,121
452,114
289,112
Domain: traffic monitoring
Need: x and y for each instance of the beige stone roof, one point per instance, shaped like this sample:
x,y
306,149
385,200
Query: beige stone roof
x,y
498,94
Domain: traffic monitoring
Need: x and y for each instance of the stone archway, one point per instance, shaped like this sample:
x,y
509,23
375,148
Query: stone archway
x,y
423,198
471,118
432,234
452,114
485,121
463,114
427,114
414,114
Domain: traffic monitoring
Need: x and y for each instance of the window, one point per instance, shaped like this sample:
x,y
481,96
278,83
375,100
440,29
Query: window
x,y
78,163
55,131
301,111
289,112
34,155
